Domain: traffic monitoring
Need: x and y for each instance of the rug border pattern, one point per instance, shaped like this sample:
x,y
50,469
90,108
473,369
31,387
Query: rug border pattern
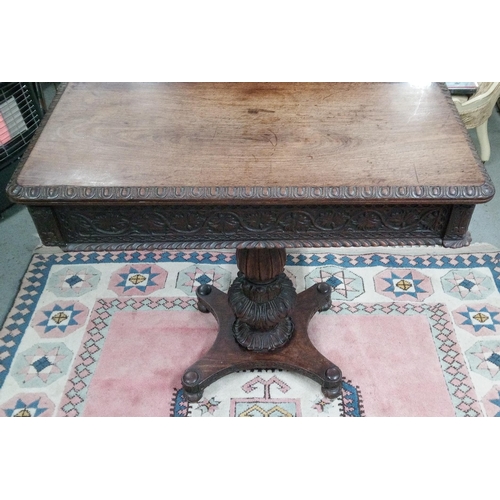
x,y
452,359
82,371
38,271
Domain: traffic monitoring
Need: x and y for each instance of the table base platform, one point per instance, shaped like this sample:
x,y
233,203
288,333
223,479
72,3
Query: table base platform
x,y
298,355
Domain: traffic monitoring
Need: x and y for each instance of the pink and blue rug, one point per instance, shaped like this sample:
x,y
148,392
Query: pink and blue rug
x,y
110,334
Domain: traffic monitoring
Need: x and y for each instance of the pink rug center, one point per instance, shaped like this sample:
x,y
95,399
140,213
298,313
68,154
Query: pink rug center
x,y
392,359
143,360
146,353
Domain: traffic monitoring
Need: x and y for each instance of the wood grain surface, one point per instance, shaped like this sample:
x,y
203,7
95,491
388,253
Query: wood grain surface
x,y
252,134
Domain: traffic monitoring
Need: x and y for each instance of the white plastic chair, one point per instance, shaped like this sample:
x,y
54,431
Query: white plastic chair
x,y
476,110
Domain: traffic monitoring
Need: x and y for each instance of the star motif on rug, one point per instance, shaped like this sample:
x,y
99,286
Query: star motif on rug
x,y
403,285
42,364
60,318
492,402
189,279
22,409
467,284
339,282
199,277
138,279
482,318
74,281
28,405
345,284
484,358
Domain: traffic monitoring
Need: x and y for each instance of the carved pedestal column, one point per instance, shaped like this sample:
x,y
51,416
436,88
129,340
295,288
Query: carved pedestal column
x,y
262,298
262,324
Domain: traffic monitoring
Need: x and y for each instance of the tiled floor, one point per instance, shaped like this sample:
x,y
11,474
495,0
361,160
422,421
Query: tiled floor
x,y
18,236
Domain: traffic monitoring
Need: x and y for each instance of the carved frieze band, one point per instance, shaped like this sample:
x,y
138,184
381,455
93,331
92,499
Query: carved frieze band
x,y
231,226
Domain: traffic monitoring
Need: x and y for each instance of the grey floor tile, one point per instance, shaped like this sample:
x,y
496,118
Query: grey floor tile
x,y
18,240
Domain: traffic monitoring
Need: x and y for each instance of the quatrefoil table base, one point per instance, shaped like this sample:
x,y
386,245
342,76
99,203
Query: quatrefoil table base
x,y
297,353
226,356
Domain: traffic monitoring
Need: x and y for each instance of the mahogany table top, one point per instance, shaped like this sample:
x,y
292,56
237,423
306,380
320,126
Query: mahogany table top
x,y
271,142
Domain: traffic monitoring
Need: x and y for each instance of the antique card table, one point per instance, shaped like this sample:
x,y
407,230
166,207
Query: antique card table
x,y
259,167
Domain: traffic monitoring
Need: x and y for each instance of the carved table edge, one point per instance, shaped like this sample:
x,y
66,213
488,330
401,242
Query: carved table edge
x,y
63,194
60,194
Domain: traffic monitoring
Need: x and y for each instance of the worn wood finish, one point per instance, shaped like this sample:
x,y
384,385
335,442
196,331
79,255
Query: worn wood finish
x,y
273,142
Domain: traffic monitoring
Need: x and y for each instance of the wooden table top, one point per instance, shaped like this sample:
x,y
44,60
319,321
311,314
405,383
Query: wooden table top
x,y
271,142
